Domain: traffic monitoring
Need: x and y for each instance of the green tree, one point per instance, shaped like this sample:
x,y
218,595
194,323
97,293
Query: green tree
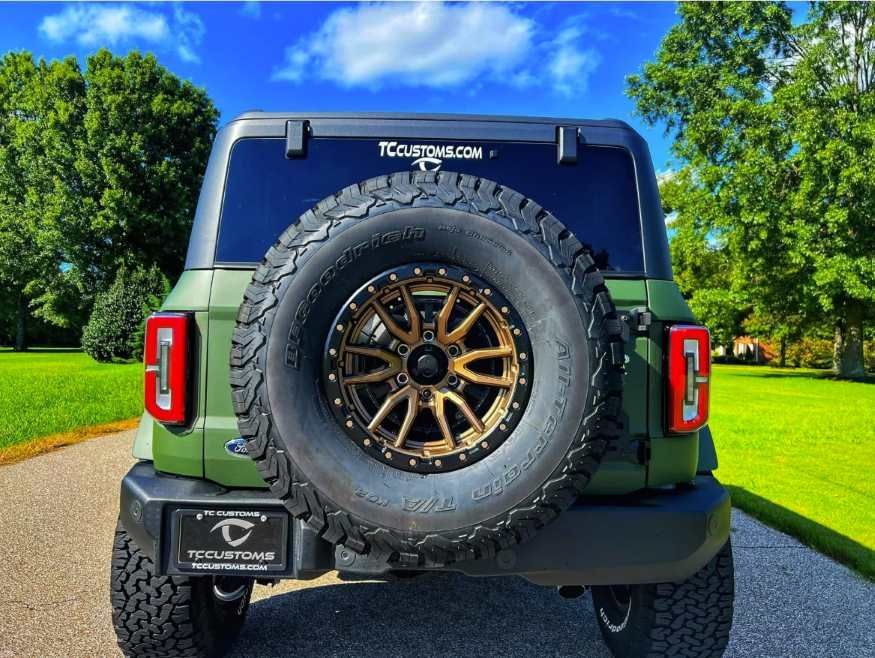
x,y
96,170
703,266
776,123
37,104
140,157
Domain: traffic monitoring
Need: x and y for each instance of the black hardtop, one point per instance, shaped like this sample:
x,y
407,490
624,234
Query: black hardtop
x,y
457,127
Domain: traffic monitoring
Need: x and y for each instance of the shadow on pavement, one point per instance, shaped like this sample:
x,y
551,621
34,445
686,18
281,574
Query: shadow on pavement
x,y
433,615
829,542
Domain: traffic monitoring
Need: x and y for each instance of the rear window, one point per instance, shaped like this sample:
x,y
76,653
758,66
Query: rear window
x,y
265,192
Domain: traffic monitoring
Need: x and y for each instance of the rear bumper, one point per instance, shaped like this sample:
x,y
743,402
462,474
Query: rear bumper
x,y
648,537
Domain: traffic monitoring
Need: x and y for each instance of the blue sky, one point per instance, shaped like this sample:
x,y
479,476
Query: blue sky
x,y
557,59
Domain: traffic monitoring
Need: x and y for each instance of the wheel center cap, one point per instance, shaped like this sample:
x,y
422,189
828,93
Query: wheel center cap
x,y
427,364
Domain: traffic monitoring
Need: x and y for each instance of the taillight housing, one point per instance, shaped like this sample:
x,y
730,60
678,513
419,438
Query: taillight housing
x,y
689,375
167,359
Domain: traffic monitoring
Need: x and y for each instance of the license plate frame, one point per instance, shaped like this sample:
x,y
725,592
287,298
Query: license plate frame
x,y
231,541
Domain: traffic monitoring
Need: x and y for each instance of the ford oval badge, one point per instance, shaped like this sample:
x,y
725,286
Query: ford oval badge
x,y
237,447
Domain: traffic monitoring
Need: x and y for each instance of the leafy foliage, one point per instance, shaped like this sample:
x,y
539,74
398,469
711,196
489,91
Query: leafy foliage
x,y
97,168
115,329
775,127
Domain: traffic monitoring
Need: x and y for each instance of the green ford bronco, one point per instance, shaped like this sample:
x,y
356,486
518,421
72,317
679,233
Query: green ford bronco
x,y
408,343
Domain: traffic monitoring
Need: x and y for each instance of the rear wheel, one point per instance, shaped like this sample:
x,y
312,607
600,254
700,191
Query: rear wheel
x,y
172,616
691,618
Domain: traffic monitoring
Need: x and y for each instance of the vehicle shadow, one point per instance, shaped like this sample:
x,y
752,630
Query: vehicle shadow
x,y
434,615
825,540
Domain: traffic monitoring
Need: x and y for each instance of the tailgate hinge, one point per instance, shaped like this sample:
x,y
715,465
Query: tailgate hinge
x,y
636,322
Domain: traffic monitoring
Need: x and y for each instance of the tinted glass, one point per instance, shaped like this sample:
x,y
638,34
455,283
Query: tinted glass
x,y
265,192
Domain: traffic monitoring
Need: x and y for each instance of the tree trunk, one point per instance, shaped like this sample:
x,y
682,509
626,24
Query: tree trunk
x,y
21,324
848,346
782,352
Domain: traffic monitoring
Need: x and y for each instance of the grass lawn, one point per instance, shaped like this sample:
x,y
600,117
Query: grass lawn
x,y
797,451
46,392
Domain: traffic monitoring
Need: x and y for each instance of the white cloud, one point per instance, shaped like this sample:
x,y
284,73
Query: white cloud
x,y
569,65
440,46
251,9
665,175
189,31
95,25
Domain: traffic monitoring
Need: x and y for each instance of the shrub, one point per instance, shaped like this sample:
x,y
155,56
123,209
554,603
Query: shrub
x,y
115,329
810,353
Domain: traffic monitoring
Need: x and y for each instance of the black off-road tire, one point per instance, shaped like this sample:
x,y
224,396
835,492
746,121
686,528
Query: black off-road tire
x,y
472,223
691,619
168,616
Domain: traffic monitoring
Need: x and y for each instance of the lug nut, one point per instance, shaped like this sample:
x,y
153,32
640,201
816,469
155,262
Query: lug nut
x,y
426,394
453,350
402,378
428,336
452,380
403,349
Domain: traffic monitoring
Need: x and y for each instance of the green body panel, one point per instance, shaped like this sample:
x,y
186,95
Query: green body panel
x,y
672,458
215,295
221,423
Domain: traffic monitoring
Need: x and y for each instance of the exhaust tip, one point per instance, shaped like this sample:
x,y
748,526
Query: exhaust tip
x,y
571,591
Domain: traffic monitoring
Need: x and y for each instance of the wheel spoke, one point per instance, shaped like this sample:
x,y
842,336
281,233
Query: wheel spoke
x,y
413,317
466,409
392,360
392,327
444,335
408,394
439,411
460,366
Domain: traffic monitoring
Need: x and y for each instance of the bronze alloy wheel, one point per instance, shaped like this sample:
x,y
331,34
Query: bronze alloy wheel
x,y
428,368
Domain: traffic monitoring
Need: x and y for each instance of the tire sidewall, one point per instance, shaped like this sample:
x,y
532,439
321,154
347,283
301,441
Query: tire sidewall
x,y
329,272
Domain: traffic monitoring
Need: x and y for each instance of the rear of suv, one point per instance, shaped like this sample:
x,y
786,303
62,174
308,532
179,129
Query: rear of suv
x,y
410,343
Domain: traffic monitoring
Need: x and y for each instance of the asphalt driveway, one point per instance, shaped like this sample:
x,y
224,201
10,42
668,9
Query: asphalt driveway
x,y
57,514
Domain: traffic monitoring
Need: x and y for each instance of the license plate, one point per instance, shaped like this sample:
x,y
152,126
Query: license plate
x,y
232,540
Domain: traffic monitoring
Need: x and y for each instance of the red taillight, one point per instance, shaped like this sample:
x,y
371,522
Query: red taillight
x,y
689,374
167,363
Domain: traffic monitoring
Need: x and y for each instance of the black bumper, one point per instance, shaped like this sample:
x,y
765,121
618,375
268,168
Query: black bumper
x,y
647,537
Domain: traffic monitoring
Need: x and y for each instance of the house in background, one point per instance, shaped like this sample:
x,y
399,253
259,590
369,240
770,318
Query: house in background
x,y
748,348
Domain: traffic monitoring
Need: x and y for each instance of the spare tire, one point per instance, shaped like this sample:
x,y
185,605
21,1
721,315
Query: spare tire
x,y
427,368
